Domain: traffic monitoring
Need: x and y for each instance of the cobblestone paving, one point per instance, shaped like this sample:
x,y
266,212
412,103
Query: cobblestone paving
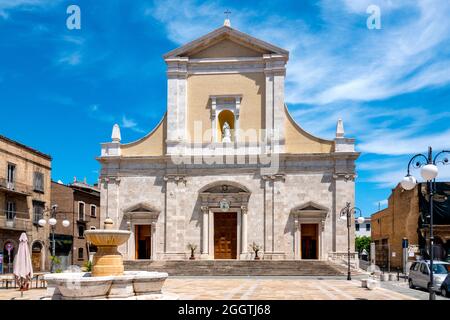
x,y
264,288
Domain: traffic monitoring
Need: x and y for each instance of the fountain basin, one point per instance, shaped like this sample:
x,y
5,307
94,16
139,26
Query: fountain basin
x,y
107,237
107,261
83,286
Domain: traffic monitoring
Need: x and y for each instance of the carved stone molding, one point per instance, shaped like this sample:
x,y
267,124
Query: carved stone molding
x,y
274,177
205,209
177,178
345,176
115,180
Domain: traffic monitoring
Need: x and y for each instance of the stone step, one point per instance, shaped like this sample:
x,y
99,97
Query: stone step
x,y
238,267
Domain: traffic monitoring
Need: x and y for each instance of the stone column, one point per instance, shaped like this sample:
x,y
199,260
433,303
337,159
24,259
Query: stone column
x,y
214,120
205,225
176,101
296,239
236,119
154,241
244,243
268,214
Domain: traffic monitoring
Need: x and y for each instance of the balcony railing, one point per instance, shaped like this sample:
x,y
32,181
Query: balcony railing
x,y
15,223
15,187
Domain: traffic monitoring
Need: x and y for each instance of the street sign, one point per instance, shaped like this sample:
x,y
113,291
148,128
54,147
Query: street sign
x,y
9,246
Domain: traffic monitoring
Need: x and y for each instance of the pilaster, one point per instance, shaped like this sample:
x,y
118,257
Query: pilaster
x,y
176,99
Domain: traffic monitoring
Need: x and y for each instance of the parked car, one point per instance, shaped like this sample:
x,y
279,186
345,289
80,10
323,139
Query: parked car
x,y
445,287
419,274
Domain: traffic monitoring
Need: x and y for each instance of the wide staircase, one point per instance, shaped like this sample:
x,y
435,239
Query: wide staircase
x,y
238,267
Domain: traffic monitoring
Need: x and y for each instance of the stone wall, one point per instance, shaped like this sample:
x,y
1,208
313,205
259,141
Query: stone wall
x,y
270,220
399,220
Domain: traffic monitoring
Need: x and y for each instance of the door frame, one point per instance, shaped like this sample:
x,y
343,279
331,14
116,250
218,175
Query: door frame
x,y
317,241
132,240
136,234
211,214
298,239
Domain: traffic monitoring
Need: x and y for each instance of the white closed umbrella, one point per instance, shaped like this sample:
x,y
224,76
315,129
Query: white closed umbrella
x,y
23,269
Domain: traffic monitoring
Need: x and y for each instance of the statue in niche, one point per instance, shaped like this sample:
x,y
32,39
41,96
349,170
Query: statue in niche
x,y
226,132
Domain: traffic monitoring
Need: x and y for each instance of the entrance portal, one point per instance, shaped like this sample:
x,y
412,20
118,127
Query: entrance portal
x,y
36,252
143,236
309,234
225,235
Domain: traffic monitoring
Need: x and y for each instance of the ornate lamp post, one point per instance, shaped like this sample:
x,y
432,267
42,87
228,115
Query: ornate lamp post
x,y
346,214
429,173
52,222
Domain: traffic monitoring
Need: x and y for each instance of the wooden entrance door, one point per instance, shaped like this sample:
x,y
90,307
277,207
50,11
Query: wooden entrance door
x,y
36,252
143,238
309,233
225,235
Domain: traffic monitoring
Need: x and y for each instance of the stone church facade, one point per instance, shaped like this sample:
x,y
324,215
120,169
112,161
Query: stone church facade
x,y
271,184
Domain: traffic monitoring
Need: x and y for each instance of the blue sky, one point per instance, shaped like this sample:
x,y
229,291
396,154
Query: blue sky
x,y
62,90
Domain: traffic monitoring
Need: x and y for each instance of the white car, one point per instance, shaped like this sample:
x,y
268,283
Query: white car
x,y
419,274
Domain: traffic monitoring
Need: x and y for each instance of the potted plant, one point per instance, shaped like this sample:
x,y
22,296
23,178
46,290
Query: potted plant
x,y
192,247
255,247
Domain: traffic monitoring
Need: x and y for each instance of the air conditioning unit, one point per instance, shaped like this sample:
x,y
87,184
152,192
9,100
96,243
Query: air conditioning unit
x,y
10,185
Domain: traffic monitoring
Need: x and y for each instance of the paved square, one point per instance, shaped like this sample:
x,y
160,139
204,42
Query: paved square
x,y
257,288
288,288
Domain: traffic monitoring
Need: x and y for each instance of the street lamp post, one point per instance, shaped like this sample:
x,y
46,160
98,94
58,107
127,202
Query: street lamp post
x,y
52,222
429,173
346,214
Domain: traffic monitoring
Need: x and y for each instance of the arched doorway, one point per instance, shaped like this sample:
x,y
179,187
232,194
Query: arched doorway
x,y
36,255
224,220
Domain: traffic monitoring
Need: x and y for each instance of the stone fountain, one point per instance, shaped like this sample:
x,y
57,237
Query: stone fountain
x,y
108,280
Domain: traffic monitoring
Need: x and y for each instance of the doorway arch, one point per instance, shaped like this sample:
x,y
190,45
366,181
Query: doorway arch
x,y
37,256
224,220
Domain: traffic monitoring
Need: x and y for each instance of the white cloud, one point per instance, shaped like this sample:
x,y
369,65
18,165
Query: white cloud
x,y
8,5
72,59
131,124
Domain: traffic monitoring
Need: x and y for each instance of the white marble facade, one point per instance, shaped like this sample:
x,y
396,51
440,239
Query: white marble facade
x,y
308,190
179,201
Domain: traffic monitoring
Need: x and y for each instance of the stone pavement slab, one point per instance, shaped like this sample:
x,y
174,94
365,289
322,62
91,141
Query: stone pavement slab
x,y
256,288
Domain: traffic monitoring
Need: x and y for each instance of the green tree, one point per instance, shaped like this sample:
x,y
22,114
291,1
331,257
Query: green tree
x,y
362,243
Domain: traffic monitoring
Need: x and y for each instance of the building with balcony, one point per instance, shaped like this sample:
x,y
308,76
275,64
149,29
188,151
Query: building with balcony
x,y
78,202
25,175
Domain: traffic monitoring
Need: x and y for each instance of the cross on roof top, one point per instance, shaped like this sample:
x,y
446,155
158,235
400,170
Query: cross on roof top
x,y
227,19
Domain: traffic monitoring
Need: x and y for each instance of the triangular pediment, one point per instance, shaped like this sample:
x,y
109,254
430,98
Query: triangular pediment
x,y
225,41
141,207
310,206
225,48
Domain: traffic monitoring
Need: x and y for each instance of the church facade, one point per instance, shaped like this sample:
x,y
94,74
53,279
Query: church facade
x,y
228,168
